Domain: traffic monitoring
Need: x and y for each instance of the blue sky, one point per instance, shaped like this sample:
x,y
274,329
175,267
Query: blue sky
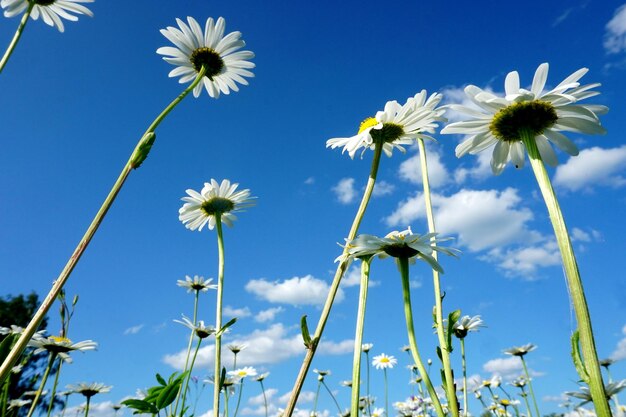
x,y
74,104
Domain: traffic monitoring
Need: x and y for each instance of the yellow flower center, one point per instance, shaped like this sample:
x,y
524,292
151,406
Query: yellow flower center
x,y
367,123
60,339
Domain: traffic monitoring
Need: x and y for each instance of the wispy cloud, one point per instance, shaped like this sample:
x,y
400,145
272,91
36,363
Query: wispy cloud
x,y
134,329
383,188
615,32
306,290
591,168
236,312
264,316
620,350
411,169
345,191
310,181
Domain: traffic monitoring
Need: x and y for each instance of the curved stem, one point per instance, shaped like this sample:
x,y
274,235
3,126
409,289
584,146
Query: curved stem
x,y
239,397
368,402
17,36
574,282
264,398
332,396
193,332
54,388
317,395
341,269
464,365
218,317
453,404
84,242
44,379
408,313
530,387
358,339
185,387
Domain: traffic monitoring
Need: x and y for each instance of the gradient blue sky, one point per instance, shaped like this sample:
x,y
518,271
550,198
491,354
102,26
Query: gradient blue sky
x,y
74,104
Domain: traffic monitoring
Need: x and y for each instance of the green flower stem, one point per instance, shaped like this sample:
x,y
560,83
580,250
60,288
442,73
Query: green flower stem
x,y
5,397
87,407
332,396
369,405
574,282
17,36
525,396
29,331
408,313
234,361
464,365
185,387
42,384
317,395
358,339
193,332
341,269
54,388
239,397
225,402
264,398
218,317
453,404
386,394
530,387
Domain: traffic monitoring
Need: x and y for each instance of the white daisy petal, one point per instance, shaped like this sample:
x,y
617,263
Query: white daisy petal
x,y
539,80
547,153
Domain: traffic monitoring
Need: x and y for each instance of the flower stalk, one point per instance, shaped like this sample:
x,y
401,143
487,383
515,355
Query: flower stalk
x,y
17,36
574,282
464,366
441,335
218,317
358,339
137,157
341,270
42,384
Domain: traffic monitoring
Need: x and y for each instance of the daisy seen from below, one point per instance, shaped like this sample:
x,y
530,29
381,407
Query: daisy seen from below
x,y
50,11
61,346
467,324
215,199
383,361
197,283
540,114
395,126
520,350
246,371
224,64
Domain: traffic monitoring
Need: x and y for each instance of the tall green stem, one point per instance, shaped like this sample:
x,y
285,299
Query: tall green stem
x,y
341,270
317,395
530,387
239,397
525,396
42,384
140,150
87,407
453,404
408,313
264,398
17,36
386,393
464,365
193,332
332,396
358,339
574,282
218,317
185,386
54,388
368,402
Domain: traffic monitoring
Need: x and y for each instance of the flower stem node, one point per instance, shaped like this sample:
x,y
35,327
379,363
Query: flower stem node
x,y
142,150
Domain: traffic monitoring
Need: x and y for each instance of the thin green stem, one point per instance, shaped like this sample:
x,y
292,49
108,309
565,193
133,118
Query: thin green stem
x,y
408,313
341,270
332,396
574,282
193,332
87,407
42,384
530,387
386,392
368,402
464,365
239,397
54,387
218,316
226,401
317,395
17,36
29,331
453,404
358,339
234,361
185,387
264,398
525,396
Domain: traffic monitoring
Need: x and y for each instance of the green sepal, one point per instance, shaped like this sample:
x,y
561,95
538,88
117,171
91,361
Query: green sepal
x,y
439,354
306,336
577,358
142,150
452,319
226,326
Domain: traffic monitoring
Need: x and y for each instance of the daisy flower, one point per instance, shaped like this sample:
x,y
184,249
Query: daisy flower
x,y
395,126
520,350
466,324
502,121
402,244
51,11
235,348
89,390
61,346
193,49
366,347
262,376
197,283
383,361
242,372
215,199
199,329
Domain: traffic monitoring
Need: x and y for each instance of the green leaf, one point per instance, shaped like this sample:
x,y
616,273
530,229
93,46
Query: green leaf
x,y
226,326
439,353
140,406
306,336
168,394
161,380
576,357
222,378
452,319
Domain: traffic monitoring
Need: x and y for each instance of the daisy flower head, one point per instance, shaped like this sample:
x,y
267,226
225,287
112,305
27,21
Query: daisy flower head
x,y
399,244
89,390
194,49
542,115
520,350
383,361
51,11
261,377
215,199
197,283
394,126
61,346
466,324
242,372
366,347
200,329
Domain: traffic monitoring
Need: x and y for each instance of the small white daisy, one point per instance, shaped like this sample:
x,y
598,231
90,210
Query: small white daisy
x,y
224,64
215,199
197,283
466,324
520,350
61,346
383,361
395,126
242,372
89,390
51,11
199,328
501,121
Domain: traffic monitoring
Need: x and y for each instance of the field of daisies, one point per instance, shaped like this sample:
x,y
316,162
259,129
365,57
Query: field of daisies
x,y
312,210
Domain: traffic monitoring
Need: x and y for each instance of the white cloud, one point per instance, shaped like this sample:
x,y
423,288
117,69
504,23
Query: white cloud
x,y
102,409
383,188
525,261
592,167
481,219
505,367
352,277
615,35
268,346
134,329
620,351
310,181
236,312
306,290
345,191
304,397
267,315
479,171
411,169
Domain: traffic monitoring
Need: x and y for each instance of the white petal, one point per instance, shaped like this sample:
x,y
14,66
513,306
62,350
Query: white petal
x,y
539,80
546,151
